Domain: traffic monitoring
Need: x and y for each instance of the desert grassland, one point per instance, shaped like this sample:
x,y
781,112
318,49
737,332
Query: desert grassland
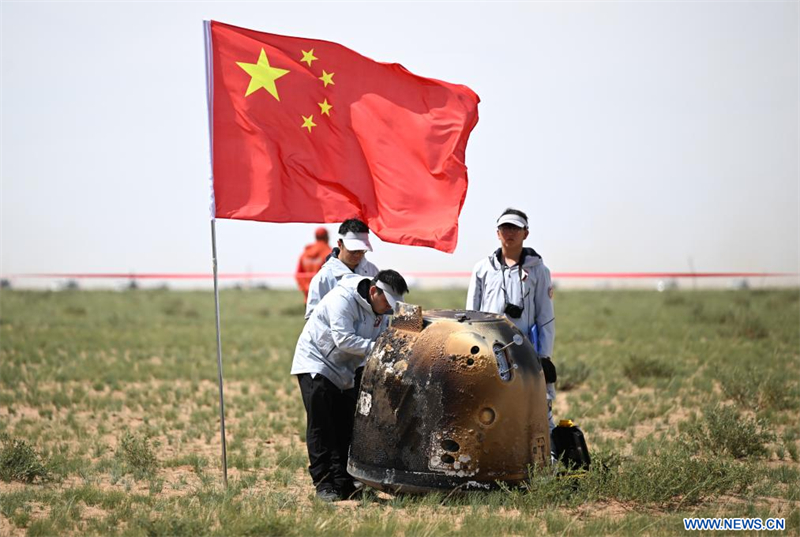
x,y
109,418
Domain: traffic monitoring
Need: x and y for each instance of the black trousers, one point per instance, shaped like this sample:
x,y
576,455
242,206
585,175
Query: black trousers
x,y
329,430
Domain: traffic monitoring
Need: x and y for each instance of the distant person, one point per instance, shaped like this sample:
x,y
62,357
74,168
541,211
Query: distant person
x,y
347,258
514,281
311,260
328,362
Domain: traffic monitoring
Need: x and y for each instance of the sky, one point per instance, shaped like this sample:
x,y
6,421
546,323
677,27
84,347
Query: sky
x,y
647,136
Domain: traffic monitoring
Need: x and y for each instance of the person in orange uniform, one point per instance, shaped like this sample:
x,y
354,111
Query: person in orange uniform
x,y
311,260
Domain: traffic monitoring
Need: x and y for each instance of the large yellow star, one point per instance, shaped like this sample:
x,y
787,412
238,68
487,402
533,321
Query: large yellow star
x,y
327,78
308,57
262,75
325,107
308,122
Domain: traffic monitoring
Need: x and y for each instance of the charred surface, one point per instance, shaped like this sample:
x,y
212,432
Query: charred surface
x,y
440,407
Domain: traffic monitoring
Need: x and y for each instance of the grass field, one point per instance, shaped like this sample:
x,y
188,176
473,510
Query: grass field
x,y
109,418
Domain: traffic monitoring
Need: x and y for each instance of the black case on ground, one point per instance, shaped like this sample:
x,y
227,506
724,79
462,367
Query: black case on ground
x,y
570,447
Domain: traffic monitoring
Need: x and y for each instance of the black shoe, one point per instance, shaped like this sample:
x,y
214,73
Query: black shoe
x,y
328,494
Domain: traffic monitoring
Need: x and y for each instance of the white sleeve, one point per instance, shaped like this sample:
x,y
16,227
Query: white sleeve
x,y
319,287
544,313
475,291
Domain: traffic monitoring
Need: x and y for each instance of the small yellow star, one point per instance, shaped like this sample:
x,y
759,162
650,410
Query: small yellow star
x,y
308,57
262,75
325,107
308,122
327,78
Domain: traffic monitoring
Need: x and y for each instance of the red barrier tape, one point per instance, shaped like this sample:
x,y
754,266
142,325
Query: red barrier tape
x,y
256,275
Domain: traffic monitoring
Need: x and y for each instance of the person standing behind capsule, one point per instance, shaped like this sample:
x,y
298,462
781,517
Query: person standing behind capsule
x,y
328,361
349,257
311,260
514,281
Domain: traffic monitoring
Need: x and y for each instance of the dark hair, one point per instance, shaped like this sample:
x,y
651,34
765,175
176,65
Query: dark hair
x,y
393,280
516,212
353,224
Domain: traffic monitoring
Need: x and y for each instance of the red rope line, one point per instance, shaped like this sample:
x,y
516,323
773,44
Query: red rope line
x,y
257,275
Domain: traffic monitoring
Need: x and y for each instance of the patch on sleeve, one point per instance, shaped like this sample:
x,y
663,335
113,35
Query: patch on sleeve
x,y
550,292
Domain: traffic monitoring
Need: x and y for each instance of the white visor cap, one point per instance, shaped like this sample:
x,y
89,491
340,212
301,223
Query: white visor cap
x,y
391,296
356,241
513,219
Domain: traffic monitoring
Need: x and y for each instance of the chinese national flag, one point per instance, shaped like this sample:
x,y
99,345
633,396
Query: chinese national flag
x,y
310,131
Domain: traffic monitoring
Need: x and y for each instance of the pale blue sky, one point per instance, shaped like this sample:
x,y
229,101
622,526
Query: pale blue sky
x,y
636,135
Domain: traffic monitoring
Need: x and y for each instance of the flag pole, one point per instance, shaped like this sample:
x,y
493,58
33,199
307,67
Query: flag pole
x,y
219,356
210,96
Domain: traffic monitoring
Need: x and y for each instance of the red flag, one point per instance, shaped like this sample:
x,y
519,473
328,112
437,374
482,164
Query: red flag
x,y
310,131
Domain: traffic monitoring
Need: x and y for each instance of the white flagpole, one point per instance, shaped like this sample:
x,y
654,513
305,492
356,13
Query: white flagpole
x,y
219,356
210,94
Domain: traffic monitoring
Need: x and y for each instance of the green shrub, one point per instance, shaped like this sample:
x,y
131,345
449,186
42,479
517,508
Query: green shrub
x,y
725,431
777,392
543,489
753,328
43,527
673,298
791,446
20,462
571,374
757,389
135,452
672,475
640,368
743,323
740,385
190,525
667,474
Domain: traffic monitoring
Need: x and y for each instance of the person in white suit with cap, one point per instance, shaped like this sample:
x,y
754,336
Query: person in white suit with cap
x,y
349,257
514,281
328,361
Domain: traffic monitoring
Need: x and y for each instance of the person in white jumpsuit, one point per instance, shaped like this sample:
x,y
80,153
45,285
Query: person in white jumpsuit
x,y
349,257
328,361
514,281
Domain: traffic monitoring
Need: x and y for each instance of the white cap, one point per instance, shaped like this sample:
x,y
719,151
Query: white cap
x,y
391,295
356,241
513,219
